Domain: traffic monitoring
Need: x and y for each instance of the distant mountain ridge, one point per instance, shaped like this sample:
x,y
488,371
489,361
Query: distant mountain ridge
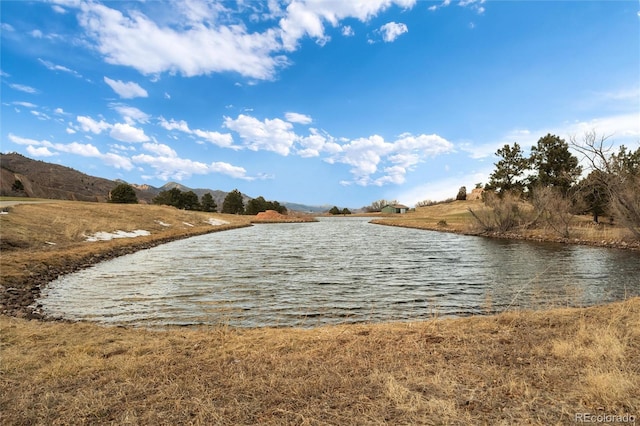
x,y
22,176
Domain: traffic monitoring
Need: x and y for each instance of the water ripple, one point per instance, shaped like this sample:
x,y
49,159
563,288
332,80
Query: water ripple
x,y
334,271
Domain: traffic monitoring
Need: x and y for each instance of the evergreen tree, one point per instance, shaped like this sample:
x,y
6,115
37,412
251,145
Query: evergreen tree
x,y
208,204
593,194
509,170
346,211
233,203
256,205
462,193
169,198
334,210
188,201
554,164
123,193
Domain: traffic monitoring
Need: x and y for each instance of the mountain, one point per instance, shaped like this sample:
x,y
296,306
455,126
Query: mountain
x,y
305,208
21,176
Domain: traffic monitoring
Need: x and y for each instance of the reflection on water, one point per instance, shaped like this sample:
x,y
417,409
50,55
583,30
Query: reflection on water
x,y
337,270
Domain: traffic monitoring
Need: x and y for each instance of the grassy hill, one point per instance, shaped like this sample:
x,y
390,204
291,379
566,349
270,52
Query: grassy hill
x,y
22,176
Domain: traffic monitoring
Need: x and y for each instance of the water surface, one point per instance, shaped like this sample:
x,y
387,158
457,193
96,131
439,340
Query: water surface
x,y
337,270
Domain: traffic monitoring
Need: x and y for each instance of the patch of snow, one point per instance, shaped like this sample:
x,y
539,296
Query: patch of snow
x,y
50,243
188,224
216,222
4,212
106,236
161,223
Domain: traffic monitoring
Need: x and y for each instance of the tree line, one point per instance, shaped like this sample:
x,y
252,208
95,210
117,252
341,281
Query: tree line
x,y
551,178
188,200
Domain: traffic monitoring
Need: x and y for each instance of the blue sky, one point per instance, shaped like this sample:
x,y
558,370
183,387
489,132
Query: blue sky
x,y
312,101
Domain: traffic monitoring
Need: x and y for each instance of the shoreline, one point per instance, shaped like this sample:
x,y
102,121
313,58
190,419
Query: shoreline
x,y
17,298
616,244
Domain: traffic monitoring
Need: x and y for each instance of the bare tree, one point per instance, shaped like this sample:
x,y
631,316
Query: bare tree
x,y
619,173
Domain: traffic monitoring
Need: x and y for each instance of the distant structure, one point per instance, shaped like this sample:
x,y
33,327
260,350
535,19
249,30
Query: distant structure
x,y
395,208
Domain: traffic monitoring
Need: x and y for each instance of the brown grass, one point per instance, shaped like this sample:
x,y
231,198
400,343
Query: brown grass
x,y
43,236
517,367
512,368
455,217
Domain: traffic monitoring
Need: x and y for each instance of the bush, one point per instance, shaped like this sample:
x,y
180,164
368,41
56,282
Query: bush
x,y
123,194
553,208
504,212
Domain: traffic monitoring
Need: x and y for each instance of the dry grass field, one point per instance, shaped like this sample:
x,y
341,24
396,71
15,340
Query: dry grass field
x,y
517,367
514,368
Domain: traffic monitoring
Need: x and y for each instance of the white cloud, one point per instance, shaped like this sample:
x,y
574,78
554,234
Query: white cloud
x,y
168,165
40,115
25,141
53,67
294,117
347,31
270,135
367,155
475,5
229,170
7,27
84,150
25,104
160,149
131,114
24,88
70,131
191,48
175,125
307,18
127,133
373,160
42,151
36,34
224,140
59,9
198,38
128,90
313,144
392,30
88,124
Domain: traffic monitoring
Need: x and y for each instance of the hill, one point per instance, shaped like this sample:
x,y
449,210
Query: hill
x,y
24,177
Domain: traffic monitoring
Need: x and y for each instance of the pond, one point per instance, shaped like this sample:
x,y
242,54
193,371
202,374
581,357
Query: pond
x,y
337,270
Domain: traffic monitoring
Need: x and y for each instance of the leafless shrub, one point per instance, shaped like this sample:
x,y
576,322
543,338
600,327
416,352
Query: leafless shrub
x,y
554,209
504,212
